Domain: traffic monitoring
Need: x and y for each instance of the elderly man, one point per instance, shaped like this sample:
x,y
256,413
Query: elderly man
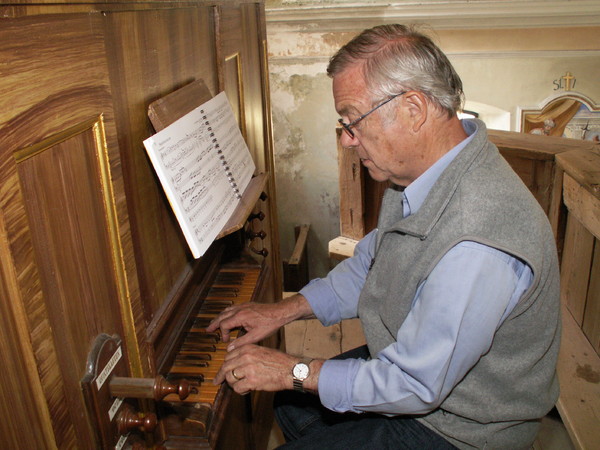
x,y
457,288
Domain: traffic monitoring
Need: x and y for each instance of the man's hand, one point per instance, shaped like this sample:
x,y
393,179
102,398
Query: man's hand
x,y
255,368
258,319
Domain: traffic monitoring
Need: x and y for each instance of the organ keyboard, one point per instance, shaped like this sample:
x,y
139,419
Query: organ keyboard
x,y
201,354
202,415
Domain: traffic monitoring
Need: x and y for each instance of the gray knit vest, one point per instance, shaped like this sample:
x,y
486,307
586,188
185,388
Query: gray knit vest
x,y
478,198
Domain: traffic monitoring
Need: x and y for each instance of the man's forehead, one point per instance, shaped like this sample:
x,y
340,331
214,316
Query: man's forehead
x,y
349,91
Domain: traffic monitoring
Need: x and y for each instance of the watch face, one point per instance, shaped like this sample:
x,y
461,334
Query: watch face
x,y
301,371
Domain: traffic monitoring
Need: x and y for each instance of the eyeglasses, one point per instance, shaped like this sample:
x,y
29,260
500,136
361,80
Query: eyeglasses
x,y
348,126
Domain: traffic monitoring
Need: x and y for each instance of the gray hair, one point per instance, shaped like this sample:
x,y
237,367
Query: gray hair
x,y
398,58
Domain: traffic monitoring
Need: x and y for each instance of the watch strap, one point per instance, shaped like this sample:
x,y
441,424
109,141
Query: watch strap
x,y
298,385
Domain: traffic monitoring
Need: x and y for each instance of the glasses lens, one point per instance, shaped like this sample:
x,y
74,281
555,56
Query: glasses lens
x,y
347,128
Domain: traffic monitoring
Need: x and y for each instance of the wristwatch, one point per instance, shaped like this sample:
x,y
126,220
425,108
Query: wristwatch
x,y
300,372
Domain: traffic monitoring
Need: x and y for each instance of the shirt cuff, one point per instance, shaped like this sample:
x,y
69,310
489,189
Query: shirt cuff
x,y
336,380
321,299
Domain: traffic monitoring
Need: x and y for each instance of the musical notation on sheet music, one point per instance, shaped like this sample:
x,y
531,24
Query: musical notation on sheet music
x,y
204,165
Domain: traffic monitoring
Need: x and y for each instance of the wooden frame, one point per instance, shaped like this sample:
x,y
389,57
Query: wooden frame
x,y
579,361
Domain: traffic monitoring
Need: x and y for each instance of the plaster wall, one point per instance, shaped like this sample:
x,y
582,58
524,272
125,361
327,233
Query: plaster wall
x,y
504,66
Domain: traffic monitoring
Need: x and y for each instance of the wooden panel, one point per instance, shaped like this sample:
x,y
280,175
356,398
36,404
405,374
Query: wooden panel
x,y
579,375
253,81
575,263
582,164
20,385
241,41
232,69
151,54
530,146
310,339
352,335
166,110
533,159
582,204
351,180
579,360
591,317
536,174
295,268
360,195
57,202
266,161
73,248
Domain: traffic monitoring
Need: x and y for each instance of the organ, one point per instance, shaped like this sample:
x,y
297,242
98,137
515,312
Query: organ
x,y
102,306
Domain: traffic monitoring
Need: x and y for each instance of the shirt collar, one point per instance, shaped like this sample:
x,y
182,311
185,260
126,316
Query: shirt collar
x,y
416,192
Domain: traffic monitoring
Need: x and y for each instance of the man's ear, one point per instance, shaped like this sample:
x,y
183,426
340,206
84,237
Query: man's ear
x,y
418,109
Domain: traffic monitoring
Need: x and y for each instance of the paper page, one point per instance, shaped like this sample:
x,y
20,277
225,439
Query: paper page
x,y
192,158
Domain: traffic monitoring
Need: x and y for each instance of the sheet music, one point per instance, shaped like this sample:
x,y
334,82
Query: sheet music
x,y
204,166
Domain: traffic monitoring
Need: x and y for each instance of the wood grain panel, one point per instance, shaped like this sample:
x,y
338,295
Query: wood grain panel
x,y
582,203
578,369
241,41
537,176
352,195
253,83
575,264
20,385
269,163
151,54
591,317
51,245
62,191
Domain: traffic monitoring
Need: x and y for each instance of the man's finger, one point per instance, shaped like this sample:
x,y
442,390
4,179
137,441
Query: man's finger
x,y
247,338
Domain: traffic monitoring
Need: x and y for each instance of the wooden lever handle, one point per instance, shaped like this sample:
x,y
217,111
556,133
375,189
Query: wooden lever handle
x,y
256,234
129,420
157,388
259,215
262,252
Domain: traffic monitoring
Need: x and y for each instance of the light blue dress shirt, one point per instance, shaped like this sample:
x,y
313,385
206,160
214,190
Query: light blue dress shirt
x,y
440,340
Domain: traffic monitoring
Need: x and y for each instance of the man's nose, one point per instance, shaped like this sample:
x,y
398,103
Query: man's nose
x,y
348,141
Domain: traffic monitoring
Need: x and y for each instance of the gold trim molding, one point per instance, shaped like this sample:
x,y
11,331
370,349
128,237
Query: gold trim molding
x,y
96,126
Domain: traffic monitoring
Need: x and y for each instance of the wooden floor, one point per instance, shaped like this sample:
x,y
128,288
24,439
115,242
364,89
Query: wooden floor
x,y
309,338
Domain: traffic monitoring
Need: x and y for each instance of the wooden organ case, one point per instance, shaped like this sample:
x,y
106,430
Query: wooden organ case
x,y
97,282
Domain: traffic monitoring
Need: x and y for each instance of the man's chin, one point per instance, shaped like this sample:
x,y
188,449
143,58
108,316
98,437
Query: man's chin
x,y
376,174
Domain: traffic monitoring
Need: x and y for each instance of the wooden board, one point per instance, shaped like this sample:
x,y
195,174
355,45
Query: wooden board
x,y
591,316
575,263
342,247
535,146
295,268
309,338
579,374
166,110
583,165
582,203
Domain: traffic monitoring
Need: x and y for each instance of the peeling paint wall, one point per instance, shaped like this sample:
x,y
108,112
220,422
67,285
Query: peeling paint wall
x,y
503,67
306,168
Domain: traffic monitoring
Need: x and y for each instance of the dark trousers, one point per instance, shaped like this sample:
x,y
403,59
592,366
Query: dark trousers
x,y
306,424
